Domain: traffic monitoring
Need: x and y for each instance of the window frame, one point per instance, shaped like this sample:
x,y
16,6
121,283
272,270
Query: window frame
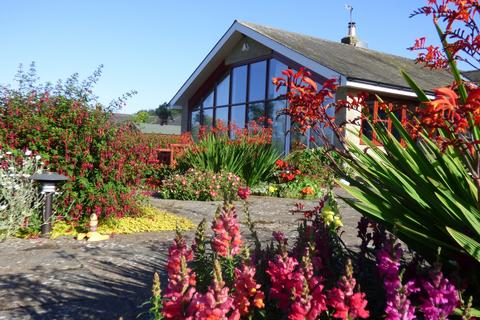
x,y
404,105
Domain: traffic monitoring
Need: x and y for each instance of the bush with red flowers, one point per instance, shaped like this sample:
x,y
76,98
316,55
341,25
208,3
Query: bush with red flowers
x,y
201,186
76,136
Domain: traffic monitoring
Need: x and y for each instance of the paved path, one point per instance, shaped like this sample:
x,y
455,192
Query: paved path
x,y
68,279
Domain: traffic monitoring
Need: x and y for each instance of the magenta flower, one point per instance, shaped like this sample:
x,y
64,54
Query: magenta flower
x,y
441,296
398,304
297,290
243,193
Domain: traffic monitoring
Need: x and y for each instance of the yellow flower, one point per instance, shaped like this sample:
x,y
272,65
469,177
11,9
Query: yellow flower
x,y
338,222
328,216
272,189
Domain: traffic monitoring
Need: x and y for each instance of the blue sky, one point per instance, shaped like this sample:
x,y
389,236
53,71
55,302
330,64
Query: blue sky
x,y
153,46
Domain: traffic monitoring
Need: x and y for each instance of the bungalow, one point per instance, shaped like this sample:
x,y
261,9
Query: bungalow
x,y
233,83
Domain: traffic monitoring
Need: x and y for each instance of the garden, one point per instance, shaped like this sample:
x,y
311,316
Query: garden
x,y
417,192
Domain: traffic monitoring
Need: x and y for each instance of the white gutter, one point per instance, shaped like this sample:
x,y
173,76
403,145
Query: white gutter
x,y
380,89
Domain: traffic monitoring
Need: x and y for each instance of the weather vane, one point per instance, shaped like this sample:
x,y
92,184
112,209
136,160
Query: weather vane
x,y
350,9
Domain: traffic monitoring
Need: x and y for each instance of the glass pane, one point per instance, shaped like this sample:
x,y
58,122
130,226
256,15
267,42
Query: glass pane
x,y
256,111
238,116
274,108
221,117
367,131
208,117
323,134
223,89
195,124
258,72
278,125
276,68
208,102
398,113
239,84
298,141
381,113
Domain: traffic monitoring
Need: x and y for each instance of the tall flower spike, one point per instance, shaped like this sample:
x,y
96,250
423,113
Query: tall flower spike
x,y
347,304
247,293
441,296
398,304
181,281
215,304
226,240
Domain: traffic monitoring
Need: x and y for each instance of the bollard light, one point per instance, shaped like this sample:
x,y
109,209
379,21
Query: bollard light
x,y
48,183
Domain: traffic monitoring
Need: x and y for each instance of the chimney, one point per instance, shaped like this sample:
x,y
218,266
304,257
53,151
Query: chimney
x,y
351,38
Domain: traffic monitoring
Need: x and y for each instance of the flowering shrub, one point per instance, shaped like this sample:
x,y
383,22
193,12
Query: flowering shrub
x,y
291,182
317,278
76,136
199,185
20,200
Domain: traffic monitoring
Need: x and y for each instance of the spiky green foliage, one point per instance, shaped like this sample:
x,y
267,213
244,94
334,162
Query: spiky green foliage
x,y
426,194
252,161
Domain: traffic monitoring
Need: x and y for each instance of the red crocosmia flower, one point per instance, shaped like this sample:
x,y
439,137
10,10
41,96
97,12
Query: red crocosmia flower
x,y
280,163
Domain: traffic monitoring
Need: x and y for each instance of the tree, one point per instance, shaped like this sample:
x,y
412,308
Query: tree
x,y
141,117
164,113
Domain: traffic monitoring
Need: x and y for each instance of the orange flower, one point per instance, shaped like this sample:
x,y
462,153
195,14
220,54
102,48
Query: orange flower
x,y
308,191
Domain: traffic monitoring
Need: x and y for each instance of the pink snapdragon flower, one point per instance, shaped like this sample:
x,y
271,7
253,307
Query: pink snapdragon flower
x,y
347,303
297,290
216,303
227,240
181,281
247,292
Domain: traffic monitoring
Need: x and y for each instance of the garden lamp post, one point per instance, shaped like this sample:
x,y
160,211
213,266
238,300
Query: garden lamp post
x,y
48,182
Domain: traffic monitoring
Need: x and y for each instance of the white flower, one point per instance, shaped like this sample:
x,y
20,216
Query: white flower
x,y
8,152
28,153
37,157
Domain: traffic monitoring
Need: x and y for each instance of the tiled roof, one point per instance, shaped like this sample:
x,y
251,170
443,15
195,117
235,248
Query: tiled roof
x,y
354,62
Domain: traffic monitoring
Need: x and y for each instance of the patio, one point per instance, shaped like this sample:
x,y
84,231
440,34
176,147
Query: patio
x,y
68,279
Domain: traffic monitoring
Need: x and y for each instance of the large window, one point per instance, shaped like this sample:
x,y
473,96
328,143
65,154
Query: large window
x,y
245,93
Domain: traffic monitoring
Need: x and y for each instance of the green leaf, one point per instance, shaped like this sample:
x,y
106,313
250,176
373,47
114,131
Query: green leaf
x,y
468,244
453,65
413,85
